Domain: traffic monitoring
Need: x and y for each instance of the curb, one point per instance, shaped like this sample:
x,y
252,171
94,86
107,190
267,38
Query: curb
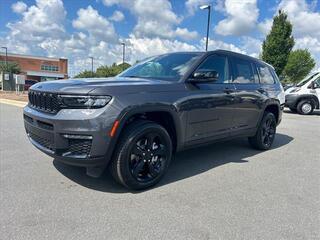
x,y
13,102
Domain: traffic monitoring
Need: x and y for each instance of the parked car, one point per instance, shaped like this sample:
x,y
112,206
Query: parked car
x,y
134,122
29,83
305,96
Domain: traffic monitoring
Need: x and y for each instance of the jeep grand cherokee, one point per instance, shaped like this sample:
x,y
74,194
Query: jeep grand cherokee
x,y
134,122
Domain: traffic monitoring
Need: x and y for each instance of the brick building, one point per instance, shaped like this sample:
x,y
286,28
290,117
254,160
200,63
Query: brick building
x,y
39,68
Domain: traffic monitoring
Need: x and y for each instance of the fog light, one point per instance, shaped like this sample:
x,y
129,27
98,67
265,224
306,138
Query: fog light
x,y
76,136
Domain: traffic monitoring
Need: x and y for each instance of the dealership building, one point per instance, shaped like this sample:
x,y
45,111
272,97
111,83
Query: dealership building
x,y
39,68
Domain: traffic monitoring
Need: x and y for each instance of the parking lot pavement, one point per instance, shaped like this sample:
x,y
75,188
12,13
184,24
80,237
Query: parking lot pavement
x,y
223,191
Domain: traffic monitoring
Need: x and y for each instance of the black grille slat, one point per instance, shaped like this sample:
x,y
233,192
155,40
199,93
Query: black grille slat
x,y
42,141
46,102
79,147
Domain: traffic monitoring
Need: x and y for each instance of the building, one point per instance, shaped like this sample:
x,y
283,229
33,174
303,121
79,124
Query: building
x,y
39,68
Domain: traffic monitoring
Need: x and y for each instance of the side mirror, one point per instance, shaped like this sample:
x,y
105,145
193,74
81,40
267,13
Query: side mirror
x,y
204,76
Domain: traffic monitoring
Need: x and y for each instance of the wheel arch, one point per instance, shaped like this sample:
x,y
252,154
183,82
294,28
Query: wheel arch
x,y
165,115
311,97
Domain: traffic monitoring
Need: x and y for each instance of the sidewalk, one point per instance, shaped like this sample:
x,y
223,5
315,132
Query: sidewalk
x,y
13,96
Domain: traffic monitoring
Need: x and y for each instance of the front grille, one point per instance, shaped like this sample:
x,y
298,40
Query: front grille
x,y
42,101
42,141
79,147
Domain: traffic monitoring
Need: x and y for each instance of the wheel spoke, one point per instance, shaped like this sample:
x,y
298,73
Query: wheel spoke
x,y
153,171
138,168
160,151
137,151
150,139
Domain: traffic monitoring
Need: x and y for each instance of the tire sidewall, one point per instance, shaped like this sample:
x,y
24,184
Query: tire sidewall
x,y
266,117
123,156
300,107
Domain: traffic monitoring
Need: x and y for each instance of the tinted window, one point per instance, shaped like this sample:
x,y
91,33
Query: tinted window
x,y
169,67
243,71
218,64
265,75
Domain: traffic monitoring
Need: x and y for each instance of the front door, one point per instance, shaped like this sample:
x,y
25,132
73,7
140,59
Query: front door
x,y
210,113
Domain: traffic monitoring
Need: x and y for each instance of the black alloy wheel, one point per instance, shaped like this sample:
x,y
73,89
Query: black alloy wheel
x,y
266,132
148,157
142,155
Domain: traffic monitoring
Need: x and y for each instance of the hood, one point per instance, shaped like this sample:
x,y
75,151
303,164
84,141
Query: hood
x,y
102,86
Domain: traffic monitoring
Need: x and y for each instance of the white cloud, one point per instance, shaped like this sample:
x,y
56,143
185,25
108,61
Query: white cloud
x,y
305,21
265,26
154,20
42,20
241,17
117,16
19,7
98,27
193,5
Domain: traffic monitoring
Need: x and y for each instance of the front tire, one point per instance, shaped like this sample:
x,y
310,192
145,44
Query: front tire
x,y
266,132
142,156
305,107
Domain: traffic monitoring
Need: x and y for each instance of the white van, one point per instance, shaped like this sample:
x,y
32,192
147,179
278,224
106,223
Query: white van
x,y
305,96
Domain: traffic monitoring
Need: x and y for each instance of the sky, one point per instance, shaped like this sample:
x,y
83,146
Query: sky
x,y
78,29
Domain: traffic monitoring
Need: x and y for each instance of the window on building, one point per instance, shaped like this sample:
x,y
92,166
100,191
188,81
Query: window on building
x,y
50,68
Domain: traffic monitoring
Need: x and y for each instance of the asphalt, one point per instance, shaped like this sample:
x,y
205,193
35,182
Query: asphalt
x,y
223,191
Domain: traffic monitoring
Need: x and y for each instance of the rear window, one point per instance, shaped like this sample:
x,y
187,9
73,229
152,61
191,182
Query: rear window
x,y
265,75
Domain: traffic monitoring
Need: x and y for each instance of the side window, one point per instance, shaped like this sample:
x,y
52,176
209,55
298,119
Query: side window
x,y
243,71
265,75
219,64
317,83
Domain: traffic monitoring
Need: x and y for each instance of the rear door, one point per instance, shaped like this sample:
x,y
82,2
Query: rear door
x,y
249,93
211,104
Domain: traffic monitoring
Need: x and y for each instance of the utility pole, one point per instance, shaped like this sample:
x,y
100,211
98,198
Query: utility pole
x,y
203,7
91,66
123,54
6,59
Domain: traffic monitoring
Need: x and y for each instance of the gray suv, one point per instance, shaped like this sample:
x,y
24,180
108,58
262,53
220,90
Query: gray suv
x,y
134,122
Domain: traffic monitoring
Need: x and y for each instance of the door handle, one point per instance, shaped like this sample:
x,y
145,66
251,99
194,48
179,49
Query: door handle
x,y
228,90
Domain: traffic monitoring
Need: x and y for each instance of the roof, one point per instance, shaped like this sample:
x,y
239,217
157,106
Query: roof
x,y
45,74
31,57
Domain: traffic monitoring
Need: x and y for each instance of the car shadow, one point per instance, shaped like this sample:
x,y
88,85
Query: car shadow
x,y
185,164
315,112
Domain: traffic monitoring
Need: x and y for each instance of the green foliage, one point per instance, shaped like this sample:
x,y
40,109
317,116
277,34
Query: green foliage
x,y
299,65
11,67
105,71
278,43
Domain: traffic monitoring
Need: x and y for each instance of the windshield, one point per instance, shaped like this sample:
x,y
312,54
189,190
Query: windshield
x,y
304,81
167,67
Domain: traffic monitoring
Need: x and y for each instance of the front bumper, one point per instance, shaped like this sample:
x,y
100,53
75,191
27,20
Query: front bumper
x,y
74,136
291,100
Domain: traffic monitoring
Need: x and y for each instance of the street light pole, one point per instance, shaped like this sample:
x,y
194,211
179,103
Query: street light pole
x,y
203,7
123,54
91,66
6,61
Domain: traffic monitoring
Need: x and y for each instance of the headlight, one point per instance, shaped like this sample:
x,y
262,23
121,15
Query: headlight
x,y
70,101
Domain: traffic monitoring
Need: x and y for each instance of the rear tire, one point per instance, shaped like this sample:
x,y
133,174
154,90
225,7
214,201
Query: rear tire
x,y
266,132
305,107
142,156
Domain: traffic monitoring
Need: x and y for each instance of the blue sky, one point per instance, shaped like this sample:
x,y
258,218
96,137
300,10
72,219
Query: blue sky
x,y
76,29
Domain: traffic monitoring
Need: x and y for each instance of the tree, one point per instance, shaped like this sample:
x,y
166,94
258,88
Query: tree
x,y
86,74
105,71
278,43
299,65
11,67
